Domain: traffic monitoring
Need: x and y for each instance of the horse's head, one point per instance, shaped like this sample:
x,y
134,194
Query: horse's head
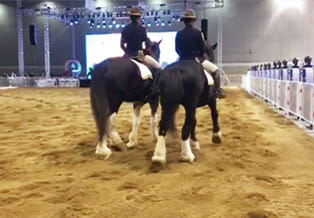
x,y
154,50
209,51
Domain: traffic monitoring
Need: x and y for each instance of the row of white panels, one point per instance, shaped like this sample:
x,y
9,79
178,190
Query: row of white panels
x,y
294,97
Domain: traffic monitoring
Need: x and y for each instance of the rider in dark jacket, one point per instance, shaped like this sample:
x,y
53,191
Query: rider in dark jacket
x,y
132,38
190,45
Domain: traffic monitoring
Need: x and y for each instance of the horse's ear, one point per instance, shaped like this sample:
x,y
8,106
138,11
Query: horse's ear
x,y
214,46
159,42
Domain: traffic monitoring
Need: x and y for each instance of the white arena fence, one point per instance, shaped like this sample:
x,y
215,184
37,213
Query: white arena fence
x,y
39,82
293,97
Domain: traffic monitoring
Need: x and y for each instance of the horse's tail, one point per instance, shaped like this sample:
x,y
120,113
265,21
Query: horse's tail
x,y
171,94
99,99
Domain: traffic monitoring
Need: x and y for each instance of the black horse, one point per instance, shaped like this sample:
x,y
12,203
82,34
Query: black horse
x,y
114,81
184,83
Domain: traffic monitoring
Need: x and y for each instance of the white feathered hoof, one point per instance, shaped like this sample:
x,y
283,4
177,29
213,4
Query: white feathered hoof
x,y
103,153
131,144
115,138
217,137
195,145
187,157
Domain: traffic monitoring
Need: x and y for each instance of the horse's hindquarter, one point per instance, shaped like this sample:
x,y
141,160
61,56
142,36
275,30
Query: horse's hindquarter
x,y
123,78
193,78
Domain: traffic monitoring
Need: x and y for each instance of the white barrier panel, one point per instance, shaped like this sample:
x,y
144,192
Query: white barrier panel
x,y
62,82
46,83
282,93
295,74
273,91
285,75
294,97
278,92
306,101
264,88
287,95
300,98
312,103
309,75
58,82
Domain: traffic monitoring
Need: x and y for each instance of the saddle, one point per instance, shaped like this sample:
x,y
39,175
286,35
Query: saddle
x,y
209,77
144,71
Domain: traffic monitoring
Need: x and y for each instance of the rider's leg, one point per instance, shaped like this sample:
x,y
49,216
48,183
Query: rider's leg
x,y
156,71
152,62
213,69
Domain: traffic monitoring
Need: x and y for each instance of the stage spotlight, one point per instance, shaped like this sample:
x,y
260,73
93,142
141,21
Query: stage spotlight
x,y
149,24
163,23
104,26
169,23
113,21
118,26
98,26
123,25
104,21
110,26
76,22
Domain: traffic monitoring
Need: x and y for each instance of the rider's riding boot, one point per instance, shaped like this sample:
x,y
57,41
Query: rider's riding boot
x,y
219,92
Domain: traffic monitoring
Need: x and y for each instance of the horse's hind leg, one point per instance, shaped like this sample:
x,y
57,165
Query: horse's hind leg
x,y
113,135
153,119
136,122
167,115
193,139
189,124
216,138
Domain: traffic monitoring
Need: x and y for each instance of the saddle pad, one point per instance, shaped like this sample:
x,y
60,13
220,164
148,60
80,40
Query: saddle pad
x,y
209,78
144,71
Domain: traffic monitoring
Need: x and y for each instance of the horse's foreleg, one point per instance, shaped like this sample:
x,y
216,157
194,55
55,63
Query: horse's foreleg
x,y
216,138
186,152
114,136
154,118
102,149
136,122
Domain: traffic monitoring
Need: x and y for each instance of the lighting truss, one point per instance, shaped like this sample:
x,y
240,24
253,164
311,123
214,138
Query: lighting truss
x,y
152,13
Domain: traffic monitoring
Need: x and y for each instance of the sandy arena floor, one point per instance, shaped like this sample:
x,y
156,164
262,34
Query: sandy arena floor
x,y
263,168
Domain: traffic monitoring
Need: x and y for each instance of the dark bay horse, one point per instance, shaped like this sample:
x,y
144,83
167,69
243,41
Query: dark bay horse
x,y
114,81
184,83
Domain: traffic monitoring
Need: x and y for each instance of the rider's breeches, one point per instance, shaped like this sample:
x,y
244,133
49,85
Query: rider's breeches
x,y
152,62
209,66
213,70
